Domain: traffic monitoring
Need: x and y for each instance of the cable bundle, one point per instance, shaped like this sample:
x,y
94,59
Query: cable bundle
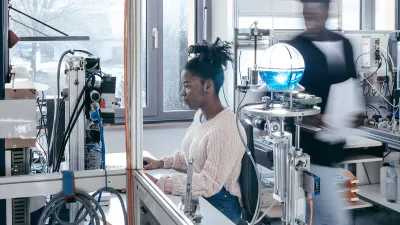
x,y
89,205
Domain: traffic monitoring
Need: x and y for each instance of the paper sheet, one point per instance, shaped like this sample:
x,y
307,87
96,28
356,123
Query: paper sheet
x,y
345,101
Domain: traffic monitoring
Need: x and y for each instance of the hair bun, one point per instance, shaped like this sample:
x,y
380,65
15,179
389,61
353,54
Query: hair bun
x,y
218,53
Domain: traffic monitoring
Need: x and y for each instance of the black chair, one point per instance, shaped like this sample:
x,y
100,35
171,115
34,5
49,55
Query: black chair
x,y
248,177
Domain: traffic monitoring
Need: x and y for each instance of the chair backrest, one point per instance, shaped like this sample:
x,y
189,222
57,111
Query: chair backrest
x,y
248,177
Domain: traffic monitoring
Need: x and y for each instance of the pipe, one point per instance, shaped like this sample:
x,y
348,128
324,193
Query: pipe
x,y
129,177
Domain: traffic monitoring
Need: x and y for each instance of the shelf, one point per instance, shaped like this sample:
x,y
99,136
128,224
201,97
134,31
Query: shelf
x,y
360,204
362,159
361,142
347,186
372,193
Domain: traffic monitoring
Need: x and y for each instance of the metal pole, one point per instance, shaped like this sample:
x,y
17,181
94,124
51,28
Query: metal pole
x,y
397,8
4,71
368,14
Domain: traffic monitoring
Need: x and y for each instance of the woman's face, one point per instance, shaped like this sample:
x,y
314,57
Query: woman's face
x,y
194,91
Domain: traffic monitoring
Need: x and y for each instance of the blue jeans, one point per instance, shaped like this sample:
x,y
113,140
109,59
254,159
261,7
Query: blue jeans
x,y
227,204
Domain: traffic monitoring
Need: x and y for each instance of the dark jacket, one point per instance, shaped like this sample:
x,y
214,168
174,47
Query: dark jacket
x,y
317,80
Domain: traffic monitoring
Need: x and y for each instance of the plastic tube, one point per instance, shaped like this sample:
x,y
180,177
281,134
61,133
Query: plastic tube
x,y
310,202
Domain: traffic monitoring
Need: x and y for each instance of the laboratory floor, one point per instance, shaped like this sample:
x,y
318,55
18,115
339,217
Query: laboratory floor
x,y
368,216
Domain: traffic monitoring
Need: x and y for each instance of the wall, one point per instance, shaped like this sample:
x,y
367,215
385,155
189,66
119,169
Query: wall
x,y
222,27
159,141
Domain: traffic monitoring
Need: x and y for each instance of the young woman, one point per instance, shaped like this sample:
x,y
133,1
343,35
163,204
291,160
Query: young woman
x,y
212,140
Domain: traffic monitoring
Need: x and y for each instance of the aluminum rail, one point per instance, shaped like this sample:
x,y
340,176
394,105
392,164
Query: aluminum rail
x,y
367,132
50,184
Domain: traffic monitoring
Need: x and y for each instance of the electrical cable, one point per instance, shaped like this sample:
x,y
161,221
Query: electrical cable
x,y
258,206
366,172
383,97
73,121
374,108
112,191
52,139
53,208
310,202
64,143
390,151
58,87
103,150
363,54
265,213
226,101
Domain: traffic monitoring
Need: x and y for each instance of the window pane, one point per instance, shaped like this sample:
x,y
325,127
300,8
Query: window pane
x,y
74,17
351,15
385,15
282,23
178,34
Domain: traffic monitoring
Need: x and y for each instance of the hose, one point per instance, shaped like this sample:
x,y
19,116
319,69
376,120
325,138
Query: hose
x,y
258,206
54,206
88,202
310,202
52,139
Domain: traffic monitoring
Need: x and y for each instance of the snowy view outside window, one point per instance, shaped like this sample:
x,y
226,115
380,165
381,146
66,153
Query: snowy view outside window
x,y
103,22
76,18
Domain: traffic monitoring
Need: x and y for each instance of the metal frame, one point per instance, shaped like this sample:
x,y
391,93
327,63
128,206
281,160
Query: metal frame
x,y
154,110
161,207
368,13
51,184
152,56
397,14
4,71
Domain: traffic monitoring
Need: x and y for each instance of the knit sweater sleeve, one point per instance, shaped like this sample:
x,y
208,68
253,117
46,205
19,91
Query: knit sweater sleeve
x,y
224,152
176,161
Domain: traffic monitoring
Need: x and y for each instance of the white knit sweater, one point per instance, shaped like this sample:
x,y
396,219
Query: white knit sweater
x,y
217,151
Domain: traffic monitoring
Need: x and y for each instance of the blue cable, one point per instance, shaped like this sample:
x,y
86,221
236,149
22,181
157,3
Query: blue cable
x,y
103,150
226,101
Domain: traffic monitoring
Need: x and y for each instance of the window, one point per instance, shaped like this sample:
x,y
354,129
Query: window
x,y
351,14
179,34
385,15
172,26
76,18
172,22
280,14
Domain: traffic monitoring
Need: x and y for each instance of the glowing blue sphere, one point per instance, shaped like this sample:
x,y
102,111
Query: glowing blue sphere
x,y
281,67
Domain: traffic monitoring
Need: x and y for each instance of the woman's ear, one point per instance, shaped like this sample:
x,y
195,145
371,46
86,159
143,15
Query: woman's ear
x,y
208,86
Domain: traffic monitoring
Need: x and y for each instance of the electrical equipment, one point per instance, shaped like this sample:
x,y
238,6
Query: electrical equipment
x,y
311,183
371,46
88,88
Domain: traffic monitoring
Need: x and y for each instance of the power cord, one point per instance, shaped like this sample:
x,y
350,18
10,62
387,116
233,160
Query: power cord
x,y
366,172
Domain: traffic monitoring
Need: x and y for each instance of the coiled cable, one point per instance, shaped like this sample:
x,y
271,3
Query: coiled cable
x,y
89,205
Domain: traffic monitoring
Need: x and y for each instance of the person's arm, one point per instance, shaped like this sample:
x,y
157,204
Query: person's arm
x,y
176,161
223,154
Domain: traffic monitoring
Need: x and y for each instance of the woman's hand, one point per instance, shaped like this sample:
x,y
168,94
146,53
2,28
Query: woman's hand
x,y
152,164
153,179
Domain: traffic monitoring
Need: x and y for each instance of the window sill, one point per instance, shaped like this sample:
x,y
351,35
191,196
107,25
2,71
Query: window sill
x,y
163,124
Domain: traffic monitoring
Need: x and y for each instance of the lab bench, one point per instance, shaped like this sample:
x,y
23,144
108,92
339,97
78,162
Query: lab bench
x,y
369,194
210,214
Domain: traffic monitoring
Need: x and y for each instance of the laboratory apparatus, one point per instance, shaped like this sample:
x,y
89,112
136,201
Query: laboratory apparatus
x,y
281,68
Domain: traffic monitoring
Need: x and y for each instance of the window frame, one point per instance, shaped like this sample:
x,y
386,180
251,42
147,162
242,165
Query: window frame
x,y
155,88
